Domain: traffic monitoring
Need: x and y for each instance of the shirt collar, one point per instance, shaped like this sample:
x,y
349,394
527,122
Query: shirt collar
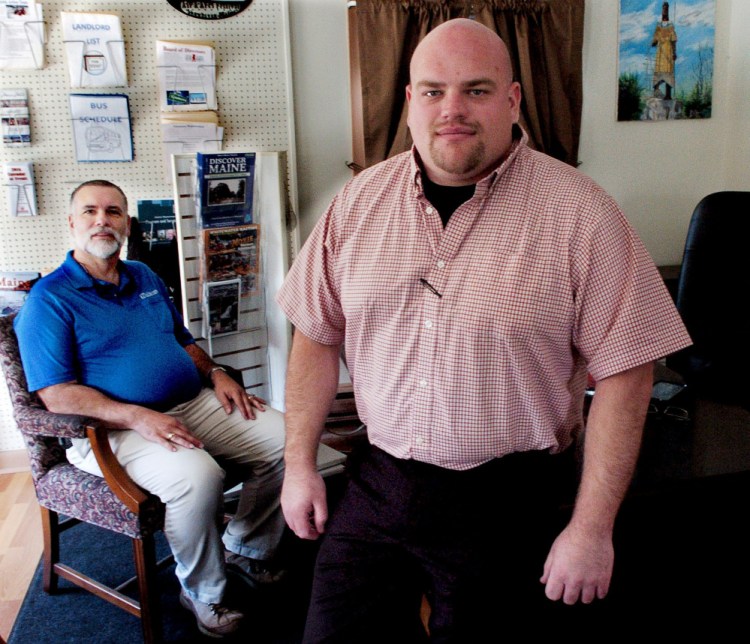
x,y
80,279
520,140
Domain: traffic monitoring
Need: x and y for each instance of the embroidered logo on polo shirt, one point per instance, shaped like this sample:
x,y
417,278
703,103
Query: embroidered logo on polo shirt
x,y
143,296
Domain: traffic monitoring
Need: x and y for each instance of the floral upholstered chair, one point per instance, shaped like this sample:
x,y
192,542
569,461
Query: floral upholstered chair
x,y
113,502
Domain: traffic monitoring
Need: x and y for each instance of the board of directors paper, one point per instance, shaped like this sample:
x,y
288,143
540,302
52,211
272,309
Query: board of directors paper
x,y
187,76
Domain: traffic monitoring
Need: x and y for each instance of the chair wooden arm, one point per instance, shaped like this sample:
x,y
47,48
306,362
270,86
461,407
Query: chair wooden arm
x,y
37,421
125,489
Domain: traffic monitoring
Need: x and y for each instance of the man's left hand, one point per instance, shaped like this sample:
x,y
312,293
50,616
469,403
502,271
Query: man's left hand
x,y
579,566
231,393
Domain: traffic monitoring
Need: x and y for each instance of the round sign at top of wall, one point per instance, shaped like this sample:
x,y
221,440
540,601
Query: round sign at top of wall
x,y
204,10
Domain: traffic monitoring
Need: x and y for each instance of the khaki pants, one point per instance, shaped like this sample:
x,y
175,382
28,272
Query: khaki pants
x,y
191,483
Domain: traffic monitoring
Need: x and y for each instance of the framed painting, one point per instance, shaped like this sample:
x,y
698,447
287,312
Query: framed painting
x,y
666,59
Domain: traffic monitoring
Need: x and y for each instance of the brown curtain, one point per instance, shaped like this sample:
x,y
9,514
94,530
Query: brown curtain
x,y
545,39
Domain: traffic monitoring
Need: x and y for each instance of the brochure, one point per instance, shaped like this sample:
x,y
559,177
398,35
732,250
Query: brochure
x,y
22,35
157,220
222,305
14,112
224,188
189,132
14,288
101,127
94,49
19,185
153,241
187,75
233,253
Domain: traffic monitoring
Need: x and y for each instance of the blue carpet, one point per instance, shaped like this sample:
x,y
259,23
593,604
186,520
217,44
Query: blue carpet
x,y
273,616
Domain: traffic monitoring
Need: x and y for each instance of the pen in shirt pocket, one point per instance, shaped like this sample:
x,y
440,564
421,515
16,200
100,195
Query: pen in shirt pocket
x,y
429,286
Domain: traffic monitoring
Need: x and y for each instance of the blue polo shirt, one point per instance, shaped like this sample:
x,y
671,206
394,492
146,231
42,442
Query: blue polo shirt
x,y
127,341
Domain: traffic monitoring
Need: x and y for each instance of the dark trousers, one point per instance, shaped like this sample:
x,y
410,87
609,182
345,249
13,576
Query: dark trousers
x,y
474,542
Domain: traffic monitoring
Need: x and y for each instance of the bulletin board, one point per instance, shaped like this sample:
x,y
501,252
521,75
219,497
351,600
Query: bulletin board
x,y
254,106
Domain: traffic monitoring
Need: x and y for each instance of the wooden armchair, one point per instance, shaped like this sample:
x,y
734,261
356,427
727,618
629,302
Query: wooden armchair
x,y
114,502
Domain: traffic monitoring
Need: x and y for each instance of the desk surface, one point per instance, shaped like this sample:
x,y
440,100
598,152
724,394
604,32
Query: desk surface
x,y
713,441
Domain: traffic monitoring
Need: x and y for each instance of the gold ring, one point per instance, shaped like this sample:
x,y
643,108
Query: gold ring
x,y
170,436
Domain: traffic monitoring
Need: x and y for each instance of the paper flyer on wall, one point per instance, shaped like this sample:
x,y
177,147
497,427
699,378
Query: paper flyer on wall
x,y
222,307
187,75
188,133
14,113
233,253
19,186
153,241
22,35
157,220
94,49
101,127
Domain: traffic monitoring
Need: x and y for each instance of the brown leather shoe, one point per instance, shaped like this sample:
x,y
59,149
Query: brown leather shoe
x,y
214,620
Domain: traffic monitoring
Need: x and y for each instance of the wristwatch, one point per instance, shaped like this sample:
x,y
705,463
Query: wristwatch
x,y
216,368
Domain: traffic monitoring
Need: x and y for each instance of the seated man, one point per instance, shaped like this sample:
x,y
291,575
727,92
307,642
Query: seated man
x,y
100,337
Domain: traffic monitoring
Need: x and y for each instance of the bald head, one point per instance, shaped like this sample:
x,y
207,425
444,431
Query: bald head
x,y
462,102
462,35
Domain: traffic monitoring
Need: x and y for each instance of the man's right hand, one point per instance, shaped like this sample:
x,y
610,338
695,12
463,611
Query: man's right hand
x,y
303,501
311,380
163,429
73,398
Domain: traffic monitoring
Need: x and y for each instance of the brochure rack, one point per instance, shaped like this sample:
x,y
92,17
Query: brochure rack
x,y
261,346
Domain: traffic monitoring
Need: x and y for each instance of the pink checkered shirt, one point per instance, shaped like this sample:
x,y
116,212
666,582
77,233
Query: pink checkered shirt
x,y
539,277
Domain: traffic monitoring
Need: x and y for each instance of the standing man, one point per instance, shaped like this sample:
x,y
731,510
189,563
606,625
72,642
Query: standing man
x,y
473,282
100,337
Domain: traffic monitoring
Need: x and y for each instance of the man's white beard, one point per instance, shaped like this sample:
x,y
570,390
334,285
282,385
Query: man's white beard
x,y
104,248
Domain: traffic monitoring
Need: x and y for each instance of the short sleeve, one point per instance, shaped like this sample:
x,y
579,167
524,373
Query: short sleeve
x,y
625,316
310,295
45,340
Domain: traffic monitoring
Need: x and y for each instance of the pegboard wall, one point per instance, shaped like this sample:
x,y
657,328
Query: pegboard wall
x,y
253,88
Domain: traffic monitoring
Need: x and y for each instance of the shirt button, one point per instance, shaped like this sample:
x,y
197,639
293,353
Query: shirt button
x,y
428,324
419,440
429,210
441,263
422,383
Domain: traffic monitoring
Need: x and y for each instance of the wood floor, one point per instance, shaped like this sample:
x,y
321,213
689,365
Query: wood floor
x,y
20,543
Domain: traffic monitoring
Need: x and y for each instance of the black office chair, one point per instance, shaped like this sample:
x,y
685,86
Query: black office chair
x,y
711,296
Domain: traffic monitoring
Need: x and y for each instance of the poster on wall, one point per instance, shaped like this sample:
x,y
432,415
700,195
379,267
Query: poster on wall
x,y
666,60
